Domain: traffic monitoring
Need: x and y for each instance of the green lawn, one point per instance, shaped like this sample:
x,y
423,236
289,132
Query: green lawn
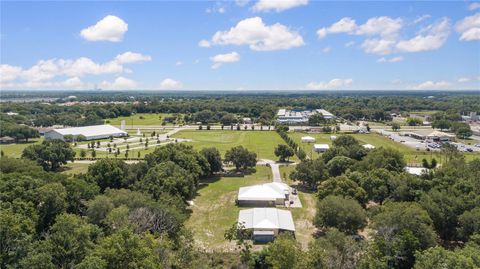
x,y
261,142
15,150
140,119
214,209
75,168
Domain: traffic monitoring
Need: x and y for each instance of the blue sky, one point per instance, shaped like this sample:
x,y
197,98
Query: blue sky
x,y
240,45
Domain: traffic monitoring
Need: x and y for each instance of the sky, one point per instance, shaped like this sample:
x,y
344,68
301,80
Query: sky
x,y
283,45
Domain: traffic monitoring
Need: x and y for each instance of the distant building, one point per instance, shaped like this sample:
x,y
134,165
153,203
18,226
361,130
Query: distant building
x,y
7,140
10,113
308,139
269,194
247,120
266,223
286,116
89,132
368,146
320,147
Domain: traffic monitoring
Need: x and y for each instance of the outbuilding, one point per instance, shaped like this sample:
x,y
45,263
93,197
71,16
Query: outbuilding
x,y
266,223
308,139
368,146
269,194
321,147
89,132
7,140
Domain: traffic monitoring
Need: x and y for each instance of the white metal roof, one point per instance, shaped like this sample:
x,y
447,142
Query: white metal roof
x,y
94,130
264,192
416,170
321,146
266,218
368,146
308,139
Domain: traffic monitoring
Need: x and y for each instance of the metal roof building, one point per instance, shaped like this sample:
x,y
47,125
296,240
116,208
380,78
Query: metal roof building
x,y
321,147
90,132
269,194
266,223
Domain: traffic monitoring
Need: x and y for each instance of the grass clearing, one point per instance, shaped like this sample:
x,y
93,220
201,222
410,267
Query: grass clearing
x,y
140,119
15,150
75,168
214,209
261,142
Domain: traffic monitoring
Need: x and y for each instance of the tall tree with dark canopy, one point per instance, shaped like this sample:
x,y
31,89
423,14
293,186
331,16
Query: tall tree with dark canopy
x,y
241,158
284,152
213,158
50,154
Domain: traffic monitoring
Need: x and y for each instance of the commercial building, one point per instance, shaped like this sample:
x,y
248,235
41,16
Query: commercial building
x,y
286,116
89,132
269,194
266,223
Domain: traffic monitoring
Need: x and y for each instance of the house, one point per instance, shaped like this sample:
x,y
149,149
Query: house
x,y
320,147
308,139
7,140
269,194
266,223
89,132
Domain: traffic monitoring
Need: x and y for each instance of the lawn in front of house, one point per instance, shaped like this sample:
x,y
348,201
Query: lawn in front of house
x,y
214,209
261,142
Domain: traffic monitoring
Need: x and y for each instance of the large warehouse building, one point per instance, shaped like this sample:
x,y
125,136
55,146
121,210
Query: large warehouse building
x,y
89,132
266,223
286,116
269,194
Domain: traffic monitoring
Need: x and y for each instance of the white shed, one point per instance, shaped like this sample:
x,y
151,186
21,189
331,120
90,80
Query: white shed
x,y
308,139
321,147
368,146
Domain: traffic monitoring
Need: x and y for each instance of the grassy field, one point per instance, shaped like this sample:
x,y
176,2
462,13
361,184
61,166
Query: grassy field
x,y
261,142
214,209
140,119
15,150
75,168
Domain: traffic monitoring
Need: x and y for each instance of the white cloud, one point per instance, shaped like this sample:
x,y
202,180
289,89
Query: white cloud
x,y
433,85
326,49
382,26
258,36
204,44
429,38
216,9
277,5
220,59
332,84
74,82
9,72
132,57
242,3
111,28
474,5
345,25
170,84
119,83
469,28
178,63
422,18
378,46
463,80
390,60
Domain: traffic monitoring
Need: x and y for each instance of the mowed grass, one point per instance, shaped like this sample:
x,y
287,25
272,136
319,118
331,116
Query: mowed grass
x,y
261,142
214,209
15,150
140,119
75,168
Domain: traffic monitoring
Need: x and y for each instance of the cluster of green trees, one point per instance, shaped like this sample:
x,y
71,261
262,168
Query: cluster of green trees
x,y
21,132
282,131
416,221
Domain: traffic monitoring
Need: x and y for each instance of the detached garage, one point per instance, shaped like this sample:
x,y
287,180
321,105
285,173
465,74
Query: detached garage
x,y
266,223
269,194
89,132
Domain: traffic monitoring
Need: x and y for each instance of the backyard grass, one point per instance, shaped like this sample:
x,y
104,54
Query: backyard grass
x,y
261,142
214,209
140,119
15,150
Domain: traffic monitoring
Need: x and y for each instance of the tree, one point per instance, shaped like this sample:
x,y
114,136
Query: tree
x,y
93,153
463,132
83,153
441,124
169,178
213,158
414,121
438,257
16,233
51,202
345,214
284,152
469,223
316,120
339,165
241,157
108,173
342,186
395,126
228,119
283,253
310,172
50,154
388,158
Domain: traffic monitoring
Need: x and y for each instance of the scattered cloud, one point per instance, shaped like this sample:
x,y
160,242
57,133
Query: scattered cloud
x,y
433,85
349,44
464,79
132,57
216,9
111,28
178,63
170,84
378,46
326,49
381,26
469,28
9,72
332,84
419,19
120,83
258,36
429,38
220,59
242,3
474,6
204,44
390,60
277,5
